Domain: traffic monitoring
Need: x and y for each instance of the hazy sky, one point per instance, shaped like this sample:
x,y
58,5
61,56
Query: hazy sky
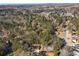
x,y
37,1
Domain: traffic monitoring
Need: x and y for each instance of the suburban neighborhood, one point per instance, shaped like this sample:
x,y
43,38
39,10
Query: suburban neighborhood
x,y
39,30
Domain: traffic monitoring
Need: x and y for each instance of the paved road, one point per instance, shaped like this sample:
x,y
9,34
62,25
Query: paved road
x,y
68,38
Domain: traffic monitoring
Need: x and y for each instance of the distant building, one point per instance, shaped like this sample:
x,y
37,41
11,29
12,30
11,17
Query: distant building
x,y
68,14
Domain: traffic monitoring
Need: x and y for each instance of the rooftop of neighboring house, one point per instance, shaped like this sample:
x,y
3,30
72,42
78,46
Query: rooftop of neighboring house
x,y
75,36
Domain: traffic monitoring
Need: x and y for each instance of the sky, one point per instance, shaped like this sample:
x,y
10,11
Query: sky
x,y
37,1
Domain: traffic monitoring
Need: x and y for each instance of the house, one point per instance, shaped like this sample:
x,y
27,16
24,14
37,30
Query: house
x,y
68,14
75,39
43,50
1,34
4,33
